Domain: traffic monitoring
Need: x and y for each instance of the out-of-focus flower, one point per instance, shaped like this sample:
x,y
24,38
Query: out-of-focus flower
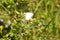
x,y
28,15
31,22
9,22
1,20
6,25
17,3
40,24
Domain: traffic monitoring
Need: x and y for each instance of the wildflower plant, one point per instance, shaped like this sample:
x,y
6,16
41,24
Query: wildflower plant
x,y
28,15
29,19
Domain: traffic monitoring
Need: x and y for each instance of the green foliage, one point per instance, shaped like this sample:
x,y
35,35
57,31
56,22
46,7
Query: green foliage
x,y
45,24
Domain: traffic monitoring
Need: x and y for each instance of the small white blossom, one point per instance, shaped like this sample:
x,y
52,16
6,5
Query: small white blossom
x,y
28,15
9,22
6,25
1,20
17,3
40,24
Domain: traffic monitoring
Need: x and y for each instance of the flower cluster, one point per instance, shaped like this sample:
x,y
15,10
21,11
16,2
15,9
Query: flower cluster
x,y
2,22
8,23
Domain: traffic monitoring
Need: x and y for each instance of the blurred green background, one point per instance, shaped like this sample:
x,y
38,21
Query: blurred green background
x,y
45,23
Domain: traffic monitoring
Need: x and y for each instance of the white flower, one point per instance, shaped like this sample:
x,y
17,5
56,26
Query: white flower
x,y
1,20
9,22
40,24
28,15
17,3
6,25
